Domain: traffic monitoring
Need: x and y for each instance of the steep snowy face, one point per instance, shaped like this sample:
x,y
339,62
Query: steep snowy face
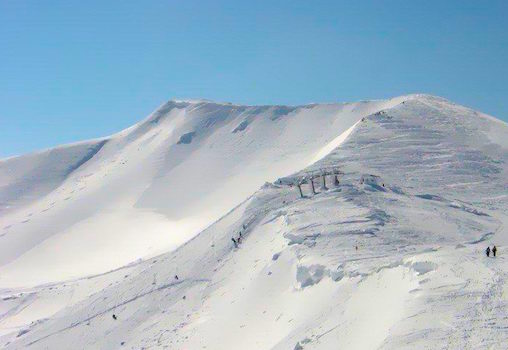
x,y
428,144
91,207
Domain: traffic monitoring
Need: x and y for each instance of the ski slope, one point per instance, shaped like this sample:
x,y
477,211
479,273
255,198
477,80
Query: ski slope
x,y
390,258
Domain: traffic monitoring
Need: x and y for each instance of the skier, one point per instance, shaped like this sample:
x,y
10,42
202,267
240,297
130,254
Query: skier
x,y
487,251
234,242
176,277
114,317
240,237
494,250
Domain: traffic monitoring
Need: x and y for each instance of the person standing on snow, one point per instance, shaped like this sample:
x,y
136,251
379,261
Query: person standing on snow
x,y
494,250
487,251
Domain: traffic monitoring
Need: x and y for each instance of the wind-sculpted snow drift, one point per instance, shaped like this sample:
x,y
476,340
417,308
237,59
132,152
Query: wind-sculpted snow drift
x,y
139,225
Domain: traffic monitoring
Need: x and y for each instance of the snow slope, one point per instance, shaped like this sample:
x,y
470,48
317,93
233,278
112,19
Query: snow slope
x,y
92,207
390,258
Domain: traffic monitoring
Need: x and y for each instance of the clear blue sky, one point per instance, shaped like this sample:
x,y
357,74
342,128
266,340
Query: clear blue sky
x,y
72,70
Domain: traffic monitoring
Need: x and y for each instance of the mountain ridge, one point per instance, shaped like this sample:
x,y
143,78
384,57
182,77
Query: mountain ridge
x,y
132,172
192,101
422,189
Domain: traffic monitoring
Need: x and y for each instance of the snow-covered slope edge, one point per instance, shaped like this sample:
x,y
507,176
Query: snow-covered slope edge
x,y
424,190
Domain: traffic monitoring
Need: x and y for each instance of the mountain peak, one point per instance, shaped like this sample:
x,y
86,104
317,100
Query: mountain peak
x,y
370,203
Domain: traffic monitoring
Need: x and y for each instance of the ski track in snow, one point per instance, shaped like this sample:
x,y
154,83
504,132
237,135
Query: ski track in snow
x,y
390,258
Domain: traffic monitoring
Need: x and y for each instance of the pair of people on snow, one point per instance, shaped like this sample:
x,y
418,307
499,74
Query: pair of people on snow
x,y
237,241
494,251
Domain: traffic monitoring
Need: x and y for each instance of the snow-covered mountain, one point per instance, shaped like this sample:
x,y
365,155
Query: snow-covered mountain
x,y
390,257
95,206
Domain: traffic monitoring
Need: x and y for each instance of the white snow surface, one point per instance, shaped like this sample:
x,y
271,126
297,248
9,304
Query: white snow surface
x,y
92,207
390,258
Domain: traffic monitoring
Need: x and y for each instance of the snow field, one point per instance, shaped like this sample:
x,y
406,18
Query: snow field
x,y
392,258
